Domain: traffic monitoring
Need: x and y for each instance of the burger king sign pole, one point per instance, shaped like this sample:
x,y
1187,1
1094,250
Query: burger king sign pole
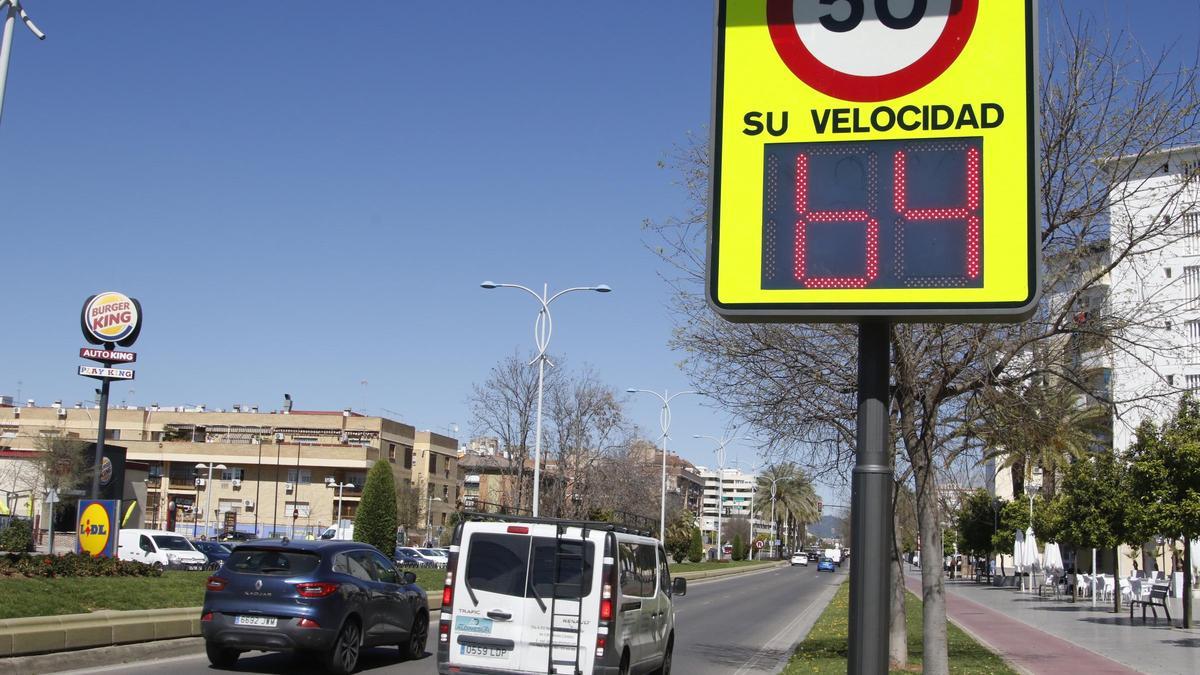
x,y
108,319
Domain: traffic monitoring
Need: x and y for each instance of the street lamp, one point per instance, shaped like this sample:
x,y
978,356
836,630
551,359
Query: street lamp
x,y
429,516
664,422
543,327
720,452
208,486
337,522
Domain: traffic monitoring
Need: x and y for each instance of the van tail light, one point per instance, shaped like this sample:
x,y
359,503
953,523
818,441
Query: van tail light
x,y
518,529
448,597
307,623
316,589
215,584
207,616
601,643
606,595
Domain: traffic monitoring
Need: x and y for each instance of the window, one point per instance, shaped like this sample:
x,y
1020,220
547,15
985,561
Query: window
x,y
1193,334
305,440
1193,381
637,567
112,434
1191,285
445,492
432,463
1170,380
391,452
574,576
302,508
664,575
154,471
1191,231
496,563
384,570
1167,270
236,473
408,457
357,478
354,563
304,476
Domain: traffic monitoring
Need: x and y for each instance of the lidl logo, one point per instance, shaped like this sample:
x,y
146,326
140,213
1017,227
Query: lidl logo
x,y
111,317
95,528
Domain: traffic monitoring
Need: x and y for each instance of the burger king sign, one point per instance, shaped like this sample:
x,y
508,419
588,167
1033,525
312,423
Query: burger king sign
x,y
111,317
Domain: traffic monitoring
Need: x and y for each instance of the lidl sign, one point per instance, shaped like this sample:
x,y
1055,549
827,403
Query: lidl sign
x,y
96,524
874,158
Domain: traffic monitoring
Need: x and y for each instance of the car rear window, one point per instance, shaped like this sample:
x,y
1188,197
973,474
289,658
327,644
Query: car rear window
x,y
172,543
500,563
272,561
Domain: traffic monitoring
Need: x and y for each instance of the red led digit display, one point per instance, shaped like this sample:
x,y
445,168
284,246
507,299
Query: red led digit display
x,y
837,232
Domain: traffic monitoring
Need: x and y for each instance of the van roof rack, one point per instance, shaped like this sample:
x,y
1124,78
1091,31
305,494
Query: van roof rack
x,y
564,522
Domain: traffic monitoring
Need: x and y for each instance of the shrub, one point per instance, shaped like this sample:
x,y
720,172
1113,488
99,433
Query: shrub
x,y
17,537
375,520
72,565
739,548
696,550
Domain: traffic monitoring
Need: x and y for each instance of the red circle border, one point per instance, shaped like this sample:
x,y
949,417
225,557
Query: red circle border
x,y
869,88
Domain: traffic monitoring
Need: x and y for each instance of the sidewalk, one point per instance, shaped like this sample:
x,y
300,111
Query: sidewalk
x,y
1045,635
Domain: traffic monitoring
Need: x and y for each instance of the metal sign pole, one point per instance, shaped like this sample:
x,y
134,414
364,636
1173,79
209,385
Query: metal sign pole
x,y
100,433
871,507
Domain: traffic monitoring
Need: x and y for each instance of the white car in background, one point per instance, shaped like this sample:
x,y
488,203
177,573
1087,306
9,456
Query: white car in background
x,y
800,559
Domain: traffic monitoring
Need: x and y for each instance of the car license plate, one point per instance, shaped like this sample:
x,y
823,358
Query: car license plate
x,y
263,621
490,652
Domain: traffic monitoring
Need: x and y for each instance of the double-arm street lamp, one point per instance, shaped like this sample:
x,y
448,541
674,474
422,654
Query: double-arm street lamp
x,y
720,452
337,521
543,328
13,10
664,422
208,487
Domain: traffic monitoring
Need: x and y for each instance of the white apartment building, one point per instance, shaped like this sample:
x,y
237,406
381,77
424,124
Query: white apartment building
x,y
737,490
1158,356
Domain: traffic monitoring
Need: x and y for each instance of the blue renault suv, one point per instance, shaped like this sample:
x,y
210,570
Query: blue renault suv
x,y
331,598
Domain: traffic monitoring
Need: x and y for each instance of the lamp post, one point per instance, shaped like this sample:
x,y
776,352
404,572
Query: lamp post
x,y
337,521
720,452
664,422
543,328
429,515
14,10
208,487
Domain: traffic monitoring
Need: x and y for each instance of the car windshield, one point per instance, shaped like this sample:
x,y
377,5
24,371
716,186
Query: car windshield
x,y
172,542
271,561
408,551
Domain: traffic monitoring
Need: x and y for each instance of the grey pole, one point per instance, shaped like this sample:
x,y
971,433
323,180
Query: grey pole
x,y
871,506
103,424
14,9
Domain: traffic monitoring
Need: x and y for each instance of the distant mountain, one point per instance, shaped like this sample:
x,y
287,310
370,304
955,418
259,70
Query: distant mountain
x,y
829,527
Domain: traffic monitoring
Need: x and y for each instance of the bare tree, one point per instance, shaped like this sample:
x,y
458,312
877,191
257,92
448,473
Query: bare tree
x,y
1106,109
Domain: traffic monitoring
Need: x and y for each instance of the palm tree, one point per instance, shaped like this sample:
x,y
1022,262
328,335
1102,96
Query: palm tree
x,y
796,502
1043,425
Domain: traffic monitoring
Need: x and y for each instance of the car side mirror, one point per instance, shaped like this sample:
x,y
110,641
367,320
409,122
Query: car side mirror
x,y
410,578
679,586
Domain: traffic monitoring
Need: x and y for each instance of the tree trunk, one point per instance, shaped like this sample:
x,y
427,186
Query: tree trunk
x,y
898,625
933,592
1018,478
1117,580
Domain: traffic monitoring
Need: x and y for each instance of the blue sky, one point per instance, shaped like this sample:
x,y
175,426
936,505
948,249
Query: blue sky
x,y
306,195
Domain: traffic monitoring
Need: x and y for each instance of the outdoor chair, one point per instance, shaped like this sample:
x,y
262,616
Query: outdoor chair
x,y
1049,583
1083,585
1156,598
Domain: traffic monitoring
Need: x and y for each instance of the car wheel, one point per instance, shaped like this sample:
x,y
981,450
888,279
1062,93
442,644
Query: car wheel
x,y
343,657
415,648
221,657
665,668
157,566
624,667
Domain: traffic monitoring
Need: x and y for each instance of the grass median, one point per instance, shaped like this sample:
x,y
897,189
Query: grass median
x,y
714,565
825,648
78,595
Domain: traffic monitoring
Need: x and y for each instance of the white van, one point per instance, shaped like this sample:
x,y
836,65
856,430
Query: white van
x,y
341,533
600,593
159,548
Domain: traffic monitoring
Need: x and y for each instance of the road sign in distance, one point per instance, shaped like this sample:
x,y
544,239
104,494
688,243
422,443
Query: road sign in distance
x,y
874,158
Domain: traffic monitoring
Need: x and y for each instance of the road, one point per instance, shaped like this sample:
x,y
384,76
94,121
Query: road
x,y
741,624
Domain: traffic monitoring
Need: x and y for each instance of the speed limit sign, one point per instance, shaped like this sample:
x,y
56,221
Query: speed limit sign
x,y
874,158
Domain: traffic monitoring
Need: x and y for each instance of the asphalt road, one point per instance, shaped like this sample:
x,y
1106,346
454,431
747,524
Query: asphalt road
x,y
742,624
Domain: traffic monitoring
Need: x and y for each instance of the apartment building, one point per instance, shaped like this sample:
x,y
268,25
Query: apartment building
x,y
735,491
271,472
435,475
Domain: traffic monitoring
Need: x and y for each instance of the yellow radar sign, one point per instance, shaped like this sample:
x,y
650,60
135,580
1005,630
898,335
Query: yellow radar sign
x,y
874,158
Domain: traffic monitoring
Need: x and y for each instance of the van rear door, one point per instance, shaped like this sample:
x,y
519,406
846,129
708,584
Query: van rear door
x,y
489,597
570,561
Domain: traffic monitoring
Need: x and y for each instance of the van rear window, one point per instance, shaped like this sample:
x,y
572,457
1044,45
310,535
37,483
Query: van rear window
x,y
499,563
270,561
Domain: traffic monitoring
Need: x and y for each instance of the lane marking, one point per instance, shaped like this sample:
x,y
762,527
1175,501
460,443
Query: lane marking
x,y
779,641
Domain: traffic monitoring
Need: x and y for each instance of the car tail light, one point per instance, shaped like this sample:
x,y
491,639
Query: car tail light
x,y
606,595
448,597
307,623
215,584
316,589
207,616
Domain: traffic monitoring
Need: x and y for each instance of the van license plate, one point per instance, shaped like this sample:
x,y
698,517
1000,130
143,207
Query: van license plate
x,y
264,621
491,652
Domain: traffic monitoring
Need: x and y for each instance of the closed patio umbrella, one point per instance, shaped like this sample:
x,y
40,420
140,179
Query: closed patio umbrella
x,y
1019,554
1031,554
1052,558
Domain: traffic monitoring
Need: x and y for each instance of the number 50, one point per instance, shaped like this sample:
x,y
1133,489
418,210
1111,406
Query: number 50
x,y
883,9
